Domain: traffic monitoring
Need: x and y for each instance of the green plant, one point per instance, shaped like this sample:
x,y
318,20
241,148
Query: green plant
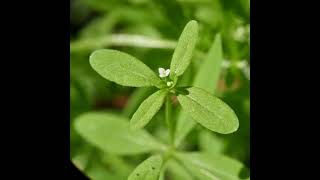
x,y
104,130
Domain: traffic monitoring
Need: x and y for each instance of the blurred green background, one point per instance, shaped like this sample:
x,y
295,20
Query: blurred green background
x,y
149,30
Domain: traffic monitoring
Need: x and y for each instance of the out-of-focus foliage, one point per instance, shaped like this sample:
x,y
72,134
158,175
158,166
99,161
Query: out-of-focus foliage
x,y
149,30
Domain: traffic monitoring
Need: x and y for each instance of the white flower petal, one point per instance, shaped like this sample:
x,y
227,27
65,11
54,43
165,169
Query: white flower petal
x,y
161,71
167,72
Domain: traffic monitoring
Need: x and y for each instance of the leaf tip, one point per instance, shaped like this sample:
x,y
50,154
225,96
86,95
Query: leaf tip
x,y
234,128
92,58
193,22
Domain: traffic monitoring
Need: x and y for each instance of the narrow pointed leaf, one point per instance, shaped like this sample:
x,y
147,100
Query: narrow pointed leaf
x,y
148,169
209,111
123,69
183,52
148,109
207,79
209,72
213,166
111,133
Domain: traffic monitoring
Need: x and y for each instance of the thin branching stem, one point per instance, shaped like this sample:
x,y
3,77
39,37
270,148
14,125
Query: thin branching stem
x,y
169,120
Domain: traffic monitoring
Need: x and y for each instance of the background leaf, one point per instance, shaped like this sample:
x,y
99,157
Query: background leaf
x,y
148,169
183,52
211,143
209,166
177,171
209,73
111,133
123,69
209,111
148,109
207,79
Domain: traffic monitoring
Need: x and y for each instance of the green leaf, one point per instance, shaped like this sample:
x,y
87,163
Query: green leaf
x,y
111,133
207,79
148,169
100,26
184,125
178,172
101,173
123,69
136,99
148,109
174,13
183,52
209,111
209,72
211,143
213,166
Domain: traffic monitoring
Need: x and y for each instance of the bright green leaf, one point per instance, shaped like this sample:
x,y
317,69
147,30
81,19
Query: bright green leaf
x,y
209,111
213,166
123,69
207,79
183,52
148,109
148,169
111,133
136,99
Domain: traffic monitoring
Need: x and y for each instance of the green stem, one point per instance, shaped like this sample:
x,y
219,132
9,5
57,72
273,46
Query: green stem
x,y
169,120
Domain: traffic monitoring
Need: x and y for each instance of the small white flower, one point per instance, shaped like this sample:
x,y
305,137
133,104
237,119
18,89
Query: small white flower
x,y
163,72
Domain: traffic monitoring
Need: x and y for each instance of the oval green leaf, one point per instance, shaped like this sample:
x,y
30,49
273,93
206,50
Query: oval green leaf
x,y
213,166
123,69
209,111
148,169
111,133
148,109
183,52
